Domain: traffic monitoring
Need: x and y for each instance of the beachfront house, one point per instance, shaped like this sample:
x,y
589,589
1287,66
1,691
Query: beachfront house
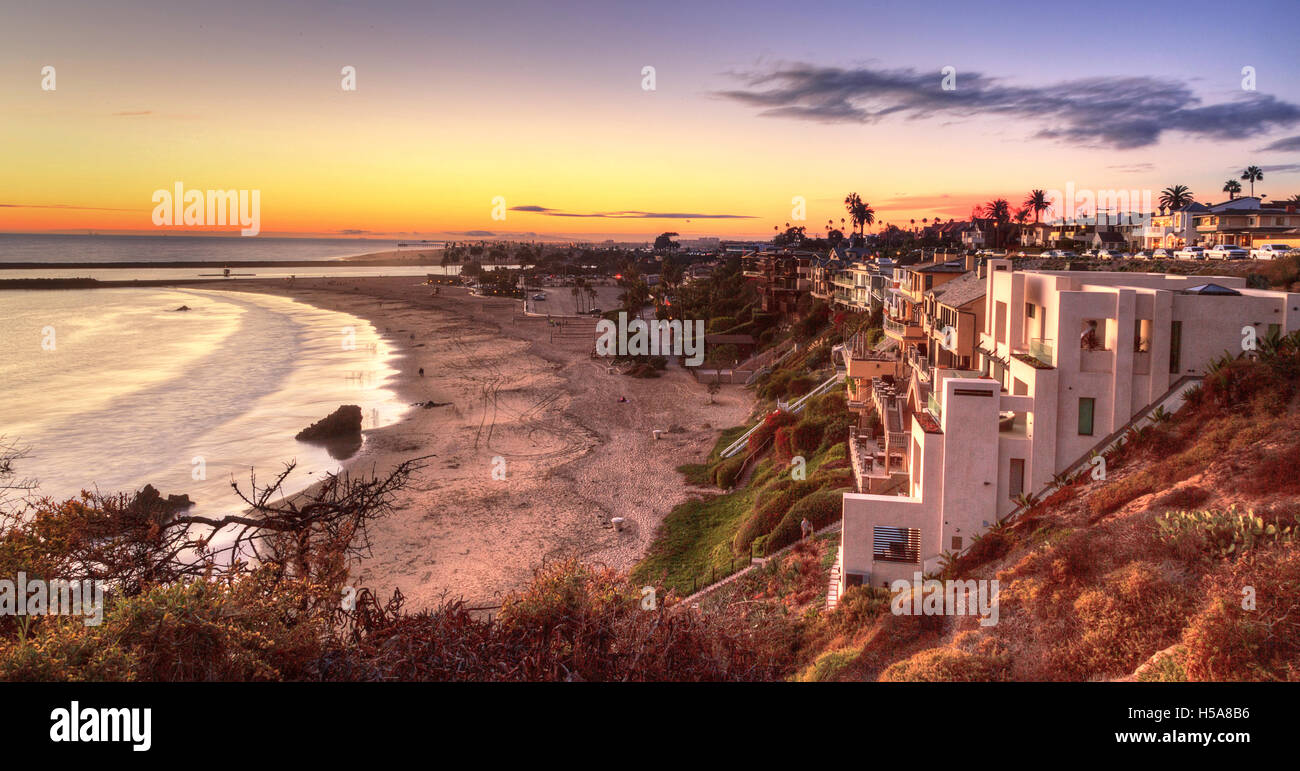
x,y
1064,362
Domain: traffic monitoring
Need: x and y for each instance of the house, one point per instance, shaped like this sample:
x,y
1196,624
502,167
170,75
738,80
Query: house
x,y
1065,360
1172,230
1244,222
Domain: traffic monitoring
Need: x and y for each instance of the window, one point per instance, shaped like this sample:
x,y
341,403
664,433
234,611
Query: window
x,y
1016,485
956,543
1086,406
1029,310
1175,345
896,544
1000,322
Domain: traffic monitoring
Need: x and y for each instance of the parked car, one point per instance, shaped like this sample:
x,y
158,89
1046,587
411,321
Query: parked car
x,y
1190,253
1269,251
1227,252
1114,254
1162,254
1145,254
1090,254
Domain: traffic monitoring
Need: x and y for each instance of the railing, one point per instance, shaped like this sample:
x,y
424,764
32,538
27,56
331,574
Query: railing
x,y
935,407
1044,350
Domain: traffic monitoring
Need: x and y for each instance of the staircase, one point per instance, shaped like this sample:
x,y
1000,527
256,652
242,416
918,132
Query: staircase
x,y
833,585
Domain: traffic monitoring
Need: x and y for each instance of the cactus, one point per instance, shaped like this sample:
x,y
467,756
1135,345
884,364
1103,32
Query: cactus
x,y
1227,533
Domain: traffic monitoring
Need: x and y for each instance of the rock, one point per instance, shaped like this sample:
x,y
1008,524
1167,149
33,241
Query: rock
x,y
431,404
149,497
182,308
343,423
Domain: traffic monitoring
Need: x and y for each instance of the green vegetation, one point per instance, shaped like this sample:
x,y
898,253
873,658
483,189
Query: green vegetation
x,y
707,537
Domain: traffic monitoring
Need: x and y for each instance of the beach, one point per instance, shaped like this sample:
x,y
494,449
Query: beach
x,y
526,400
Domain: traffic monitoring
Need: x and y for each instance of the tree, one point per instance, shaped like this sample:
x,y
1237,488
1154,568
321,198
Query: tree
x,y
1232,187
1252,174
1176,197
1038,203
665,242
859,211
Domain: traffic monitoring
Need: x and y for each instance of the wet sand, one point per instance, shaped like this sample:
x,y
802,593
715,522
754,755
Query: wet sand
x,y
527,398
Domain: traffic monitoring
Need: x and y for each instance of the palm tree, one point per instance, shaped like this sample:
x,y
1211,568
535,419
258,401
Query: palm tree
x,y
1037,201
1176,197
1232,187
1252,174
851,203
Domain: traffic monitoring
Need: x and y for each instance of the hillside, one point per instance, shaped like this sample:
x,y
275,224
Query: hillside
x,y
1182,564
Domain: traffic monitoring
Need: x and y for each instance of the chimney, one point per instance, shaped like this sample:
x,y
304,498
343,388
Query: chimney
x,y
971,262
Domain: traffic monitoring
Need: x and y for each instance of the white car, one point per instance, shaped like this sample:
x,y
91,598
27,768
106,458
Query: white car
x,y
1269,251
1161,254
1114,254
1227,252
1190,253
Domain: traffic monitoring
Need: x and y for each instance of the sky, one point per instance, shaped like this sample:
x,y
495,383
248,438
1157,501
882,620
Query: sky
x,y
538,112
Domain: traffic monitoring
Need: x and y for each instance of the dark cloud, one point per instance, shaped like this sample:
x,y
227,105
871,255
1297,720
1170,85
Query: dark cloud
x,y
1281,168
632,214
1103,111
1288,145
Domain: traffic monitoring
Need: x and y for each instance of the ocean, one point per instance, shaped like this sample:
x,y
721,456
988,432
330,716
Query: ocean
x,y
111,389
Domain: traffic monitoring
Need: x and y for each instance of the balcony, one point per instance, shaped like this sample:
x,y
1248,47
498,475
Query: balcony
x,y
903,331
1044,350
935,407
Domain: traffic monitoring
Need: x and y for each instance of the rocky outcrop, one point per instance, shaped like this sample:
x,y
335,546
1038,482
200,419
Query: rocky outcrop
x,y
343,423
150,498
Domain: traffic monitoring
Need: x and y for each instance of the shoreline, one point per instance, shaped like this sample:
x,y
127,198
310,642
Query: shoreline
x,y
524,399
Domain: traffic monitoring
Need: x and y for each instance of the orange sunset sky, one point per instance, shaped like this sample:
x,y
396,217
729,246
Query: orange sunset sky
x,y
754,104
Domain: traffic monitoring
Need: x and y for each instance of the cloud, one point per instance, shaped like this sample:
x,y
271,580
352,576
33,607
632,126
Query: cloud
x,y
1133,168
631,214
1117,112
132,113
1290,144
353,232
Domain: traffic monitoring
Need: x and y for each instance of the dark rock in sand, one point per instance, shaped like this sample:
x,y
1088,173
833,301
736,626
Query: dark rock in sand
x,y
343,423
431,404
183,308
150,498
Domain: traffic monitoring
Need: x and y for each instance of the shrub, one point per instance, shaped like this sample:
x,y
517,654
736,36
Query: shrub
x,y
726,472
768,511
985,664
821,508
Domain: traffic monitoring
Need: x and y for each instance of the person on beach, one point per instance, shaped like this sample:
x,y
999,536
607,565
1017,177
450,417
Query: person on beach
x,y
421,371
806,528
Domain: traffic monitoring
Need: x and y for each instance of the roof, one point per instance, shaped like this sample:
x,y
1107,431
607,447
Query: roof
x,y
961,290
942,267
1211,289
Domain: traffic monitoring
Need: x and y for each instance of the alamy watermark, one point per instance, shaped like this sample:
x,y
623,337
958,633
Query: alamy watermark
x,y
37,597
211,208
659,337
932,597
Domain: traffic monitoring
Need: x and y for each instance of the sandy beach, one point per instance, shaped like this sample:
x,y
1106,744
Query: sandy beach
x,y
526,394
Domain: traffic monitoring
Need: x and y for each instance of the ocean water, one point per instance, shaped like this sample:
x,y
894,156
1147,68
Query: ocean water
x,y
111,389
21,247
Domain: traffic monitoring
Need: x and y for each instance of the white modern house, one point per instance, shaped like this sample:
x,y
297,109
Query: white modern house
x,y
1066,360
